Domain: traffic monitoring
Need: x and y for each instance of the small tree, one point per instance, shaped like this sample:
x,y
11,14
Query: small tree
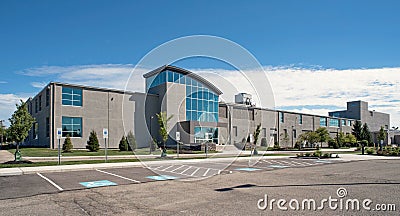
x,y
163,124
382,134
310,137
123,144
20,124
366,134
93,142
256,134
67,145
350,139
356,130
130,138
323,135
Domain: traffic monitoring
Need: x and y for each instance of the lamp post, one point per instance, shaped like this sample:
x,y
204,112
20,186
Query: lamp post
x,y
151,137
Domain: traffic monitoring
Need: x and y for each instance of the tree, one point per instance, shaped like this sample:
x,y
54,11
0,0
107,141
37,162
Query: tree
x,y
382,134
323,135
310,137
356,130
93,142
123,144
67,145
365,133
163,124
131,141
256,134
20,124
350,139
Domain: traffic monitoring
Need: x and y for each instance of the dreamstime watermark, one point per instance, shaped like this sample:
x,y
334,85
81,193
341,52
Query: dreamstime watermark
x,y
339,202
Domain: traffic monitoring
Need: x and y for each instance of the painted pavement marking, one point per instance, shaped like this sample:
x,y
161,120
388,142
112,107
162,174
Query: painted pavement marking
x,y
162,177
247,169
132,180
100,183
50,181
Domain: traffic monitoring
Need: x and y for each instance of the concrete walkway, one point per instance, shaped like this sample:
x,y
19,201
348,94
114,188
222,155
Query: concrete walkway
x,y
6,156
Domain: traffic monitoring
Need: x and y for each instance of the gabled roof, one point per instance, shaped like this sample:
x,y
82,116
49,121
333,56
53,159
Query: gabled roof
x,y
186,73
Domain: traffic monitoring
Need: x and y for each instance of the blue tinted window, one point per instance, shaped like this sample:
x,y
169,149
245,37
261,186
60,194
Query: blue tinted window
x,y
71,96
71,126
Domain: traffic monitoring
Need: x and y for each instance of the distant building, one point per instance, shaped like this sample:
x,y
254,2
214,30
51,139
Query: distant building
x,y
194,103
375,120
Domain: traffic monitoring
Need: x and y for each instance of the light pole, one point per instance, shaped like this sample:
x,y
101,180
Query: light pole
x,y
151,137
1,133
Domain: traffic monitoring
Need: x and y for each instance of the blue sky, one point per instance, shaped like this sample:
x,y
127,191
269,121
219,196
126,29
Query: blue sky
x,y
69,35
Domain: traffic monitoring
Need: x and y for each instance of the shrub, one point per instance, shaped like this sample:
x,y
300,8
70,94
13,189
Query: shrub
x,y
333,144
67,146
131,141
317,153
264,141
307,154
370,150
327,155
93,142
123,144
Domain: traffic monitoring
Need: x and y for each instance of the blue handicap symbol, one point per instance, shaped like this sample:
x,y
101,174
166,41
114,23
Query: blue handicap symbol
x,y
162,177
100,183
247,169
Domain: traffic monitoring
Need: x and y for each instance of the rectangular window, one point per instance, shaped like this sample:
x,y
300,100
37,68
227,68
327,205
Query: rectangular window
x,y
71,96
264,132
322,122
40,102
47,97
343,122
235,131
47,127
333,122
300,119
281,117
71,126
35,130
36,105
349,123
285,132
294,133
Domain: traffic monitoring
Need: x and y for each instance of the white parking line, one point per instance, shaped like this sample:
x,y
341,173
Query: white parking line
x,y
195,171
132,180
206,172
50,181
177,168
267,161
156,167
300,164
167,168
186,169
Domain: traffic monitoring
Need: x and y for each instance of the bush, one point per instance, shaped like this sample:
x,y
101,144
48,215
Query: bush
x,y
327,155
317,153
333,144
370,150
67,146
308,154
93,142
264,141
123,144
131,141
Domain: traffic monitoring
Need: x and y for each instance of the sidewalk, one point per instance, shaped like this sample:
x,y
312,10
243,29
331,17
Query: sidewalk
x,y
6,156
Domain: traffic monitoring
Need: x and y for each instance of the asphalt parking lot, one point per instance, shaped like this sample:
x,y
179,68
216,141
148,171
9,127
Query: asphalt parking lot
x,y
53,182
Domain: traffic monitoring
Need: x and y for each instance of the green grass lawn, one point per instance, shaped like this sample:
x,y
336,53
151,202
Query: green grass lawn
x,y
45,152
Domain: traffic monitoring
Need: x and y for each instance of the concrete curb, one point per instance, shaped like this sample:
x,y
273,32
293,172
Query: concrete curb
x,y
81,167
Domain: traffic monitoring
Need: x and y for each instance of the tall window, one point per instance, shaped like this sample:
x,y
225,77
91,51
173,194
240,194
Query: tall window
x,y
300,119
47,127
71,96
71,126
281,117
47,97
40,102
343,122
235,131
322,122
35,130
264,132
294,133
333,122
36,105
349,123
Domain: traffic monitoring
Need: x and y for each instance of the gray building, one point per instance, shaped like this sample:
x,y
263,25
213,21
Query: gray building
x,y
192,101
375,120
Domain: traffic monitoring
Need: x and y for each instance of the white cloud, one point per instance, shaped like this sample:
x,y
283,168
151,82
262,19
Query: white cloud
x,y
39,85
3,82
7,104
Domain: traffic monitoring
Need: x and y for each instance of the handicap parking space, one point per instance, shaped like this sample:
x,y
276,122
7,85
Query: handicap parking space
x,y
187,170
23,186
78,179
138,174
